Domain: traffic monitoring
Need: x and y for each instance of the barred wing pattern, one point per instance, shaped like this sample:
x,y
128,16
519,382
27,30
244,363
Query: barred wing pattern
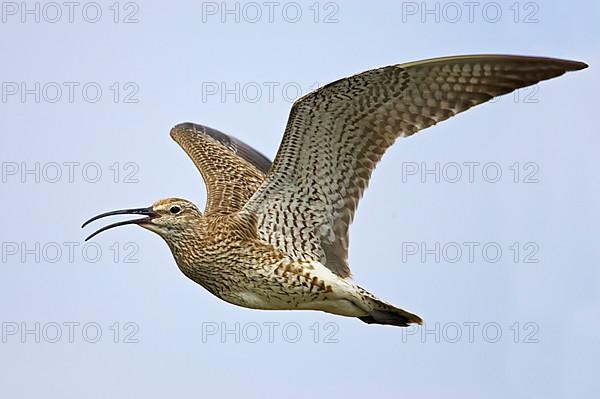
x,y
336,135
232,170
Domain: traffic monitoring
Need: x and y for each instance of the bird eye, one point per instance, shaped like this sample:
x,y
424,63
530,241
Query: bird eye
x,y
174,209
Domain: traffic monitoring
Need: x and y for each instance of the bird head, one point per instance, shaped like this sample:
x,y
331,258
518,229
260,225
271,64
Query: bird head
x,y
167,217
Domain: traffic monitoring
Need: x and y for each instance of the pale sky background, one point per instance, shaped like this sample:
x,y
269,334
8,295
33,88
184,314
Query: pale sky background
x,y
169,61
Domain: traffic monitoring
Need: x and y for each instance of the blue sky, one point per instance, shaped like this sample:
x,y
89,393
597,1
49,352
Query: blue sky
x,y
503,268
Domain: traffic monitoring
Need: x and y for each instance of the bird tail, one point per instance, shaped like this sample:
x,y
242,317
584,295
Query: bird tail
x,y
384,313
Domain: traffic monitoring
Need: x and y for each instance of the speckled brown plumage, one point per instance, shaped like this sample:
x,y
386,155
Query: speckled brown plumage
x,y
336,135
276,237
232,170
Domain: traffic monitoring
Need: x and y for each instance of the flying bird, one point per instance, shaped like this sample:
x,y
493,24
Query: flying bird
x,y
274,236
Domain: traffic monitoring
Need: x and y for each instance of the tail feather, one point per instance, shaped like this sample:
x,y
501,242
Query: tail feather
x,y
384,313
395,317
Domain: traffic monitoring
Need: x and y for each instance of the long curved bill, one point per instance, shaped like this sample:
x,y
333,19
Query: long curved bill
x,y
148,212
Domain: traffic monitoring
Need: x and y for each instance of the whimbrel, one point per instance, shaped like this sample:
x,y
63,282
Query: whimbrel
x,y
275,236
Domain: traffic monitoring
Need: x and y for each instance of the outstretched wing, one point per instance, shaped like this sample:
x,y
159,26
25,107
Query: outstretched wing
x,y
231,169
336,135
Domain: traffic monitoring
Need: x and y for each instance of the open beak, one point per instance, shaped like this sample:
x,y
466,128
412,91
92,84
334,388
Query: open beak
x,y
148,212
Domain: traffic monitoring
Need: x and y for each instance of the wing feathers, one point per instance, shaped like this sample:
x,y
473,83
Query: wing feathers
x,y
336,135
231,169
